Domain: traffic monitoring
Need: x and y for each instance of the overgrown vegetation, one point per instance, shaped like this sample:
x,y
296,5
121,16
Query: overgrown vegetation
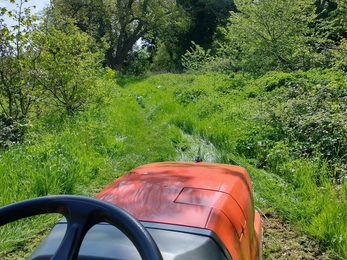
x,y
150,119
44,64
252,122
266,90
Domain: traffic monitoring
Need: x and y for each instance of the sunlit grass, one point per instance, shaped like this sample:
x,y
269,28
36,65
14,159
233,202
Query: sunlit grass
x,y
167,118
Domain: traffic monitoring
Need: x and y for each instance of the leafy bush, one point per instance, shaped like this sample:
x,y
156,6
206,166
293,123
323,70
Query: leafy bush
x,y
254,145
12,130
340,57
20,88
274,79
195,59
221,64
70,61
311,113
232,86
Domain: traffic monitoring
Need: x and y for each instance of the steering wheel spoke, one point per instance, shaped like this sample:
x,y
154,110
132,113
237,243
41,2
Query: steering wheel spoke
x,y
71,243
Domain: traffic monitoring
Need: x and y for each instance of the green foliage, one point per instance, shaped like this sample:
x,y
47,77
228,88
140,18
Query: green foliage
x,y
334,23
168,42
205,17
158,118
330,225
309,110
12,131
70,61
340,56
195,59
42,67
138,62
120,23
274,79
270,35
252,147
165,59
192,21
20,89
187,96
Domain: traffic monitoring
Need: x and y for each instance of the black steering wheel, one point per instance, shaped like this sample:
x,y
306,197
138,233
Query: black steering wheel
x,y
81,214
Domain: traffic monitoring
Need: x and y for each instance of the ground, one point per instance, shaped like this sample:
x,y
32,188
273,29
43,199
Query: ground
x,y
282,242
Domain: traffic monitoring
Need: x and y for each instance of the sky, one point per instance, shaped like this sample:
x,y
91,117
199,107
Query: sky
x,y
40,4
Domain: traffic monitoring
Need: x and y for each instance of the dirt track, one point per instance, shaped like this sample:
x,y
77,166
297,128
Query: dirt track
x,y
281,241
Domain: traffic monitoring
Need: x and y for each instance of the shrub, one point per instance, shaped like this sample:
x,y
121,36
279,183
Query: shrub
x,y
71,61
311,113
12,130
195,59
274,79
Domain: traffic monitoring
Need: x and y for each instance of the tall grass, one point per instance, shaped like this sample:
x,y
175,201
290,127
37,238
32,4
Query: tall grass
x,y
217,110
78,155
162,118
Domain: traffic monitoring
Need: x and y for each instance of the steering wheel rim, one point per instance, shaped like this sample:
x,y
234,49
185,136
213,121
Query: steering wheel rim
x,y
81,214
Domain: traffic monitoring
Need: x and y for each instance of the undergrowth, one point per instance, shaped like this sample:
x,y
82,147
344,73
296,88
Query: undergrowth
x,y
297,168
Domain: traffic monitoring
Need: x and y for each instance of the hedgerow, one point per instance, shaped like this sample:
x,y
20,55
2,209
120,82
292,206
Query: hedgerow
x,y
307,111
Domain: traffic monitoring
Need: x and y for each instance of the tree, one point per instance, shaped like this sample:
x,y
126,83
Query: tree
x,y
197,23
339,25
206,16
336,19
121,22
90,16
18,67
167,43
20,88
270,35
325,7
70,60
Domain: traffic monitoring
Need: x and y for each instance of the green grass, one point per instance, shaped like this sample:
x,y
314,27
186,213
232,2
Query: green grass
x,y
168,118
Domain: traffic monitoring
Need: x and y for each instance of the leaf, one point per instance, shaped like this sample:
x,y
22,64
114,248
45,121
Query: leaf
x,y
4,31
3,10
